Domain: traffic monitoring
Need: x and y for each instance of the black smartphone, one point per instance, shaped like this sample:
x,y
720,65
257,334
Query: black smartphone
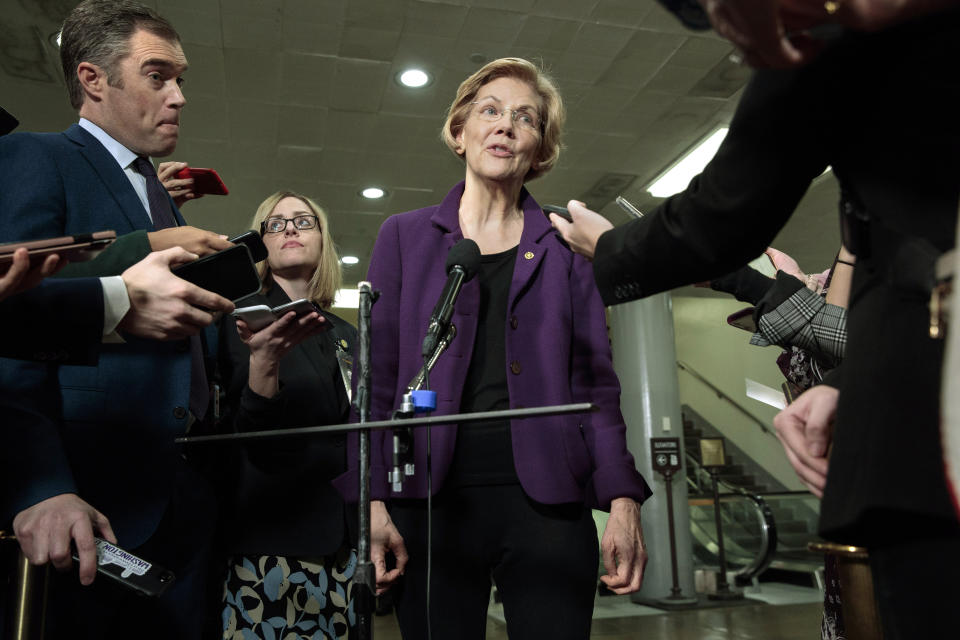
x,y
134,573
258,250
229,273
560,211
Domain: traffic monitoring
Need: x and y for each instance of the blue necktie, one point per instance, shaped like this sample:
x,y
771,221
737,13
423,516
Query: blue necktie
x,y
162,214
160,210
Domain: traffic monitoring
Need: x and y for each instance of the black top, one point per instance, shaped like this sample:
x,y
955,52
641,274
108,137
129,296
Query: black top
x,y
484,452
278,496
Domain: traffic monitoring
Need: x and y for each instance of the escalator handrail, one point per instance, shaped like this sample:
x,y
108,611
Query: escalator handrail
x,y
768,525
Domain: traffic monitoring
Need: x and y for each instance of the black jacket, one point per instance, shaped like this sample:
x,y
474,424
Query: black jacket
x,y
278,494
881,109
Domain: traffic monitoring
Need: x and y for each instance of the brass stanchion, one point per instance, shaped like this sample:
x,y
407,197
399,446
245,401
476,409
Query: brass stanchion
x,y
26,600
861,620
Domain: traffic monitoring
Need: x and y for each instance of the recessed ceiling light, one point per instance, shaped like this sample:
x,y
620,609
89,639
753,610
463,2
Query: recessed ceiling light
x,y
349,259
414,78
373,193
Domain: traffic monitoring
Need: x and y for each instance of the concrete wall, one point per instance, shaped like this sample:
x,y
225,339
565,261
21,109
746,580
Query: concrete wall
x,y
723,355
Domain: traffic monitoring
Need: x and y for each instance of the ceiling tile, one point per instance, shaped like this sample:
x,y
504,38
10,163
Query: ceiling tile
x,y
358,85
577,9
254,122
243,32
248,72
374,14
307,79
621,12
675,79
302,126
548,34
311,37
369,44
600,40
491,25
433,19
702,52
197,25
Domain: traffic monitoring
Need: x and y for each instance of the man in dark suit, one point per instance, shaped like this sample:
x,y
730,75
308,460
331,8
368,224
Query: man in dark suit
x,y
880,109
93,443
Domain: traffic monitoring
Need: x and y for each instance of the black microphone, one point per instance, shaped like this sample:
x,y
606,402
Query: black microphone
x,y
463,262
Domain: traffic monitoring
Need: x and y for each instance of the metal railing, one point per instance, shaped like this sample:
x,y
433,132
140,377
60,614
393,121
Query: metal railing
x,y
724,396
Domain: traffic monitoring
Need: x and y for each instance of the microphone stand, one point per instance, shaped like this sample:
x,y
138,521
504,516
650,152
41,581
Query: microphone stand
x,y
403,436
365,577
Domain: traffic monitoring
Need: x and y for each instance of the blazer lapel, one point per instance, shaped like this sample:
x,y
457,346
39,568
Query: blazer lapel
x,y
530,251
112,176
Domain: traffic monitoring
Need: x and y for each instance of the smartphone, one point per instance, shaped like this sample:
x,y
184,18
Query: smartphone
x,y
259,316
743,319
130,571
204,180
258,250
78,248
230,273
560,211
301,307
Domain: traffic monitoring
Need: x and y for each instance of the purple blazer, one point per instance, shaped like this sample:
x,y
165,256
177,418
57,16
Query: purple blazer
x,y
557,353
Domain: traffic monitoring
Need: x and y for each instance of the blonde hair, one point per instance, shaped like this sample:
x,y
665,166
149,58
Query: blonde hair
x,y
328,275
553,116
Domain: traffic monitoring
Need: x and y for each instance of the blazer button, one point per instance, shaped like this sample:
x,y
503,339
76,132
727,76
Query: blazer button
x,y
179,413
514,322
515,366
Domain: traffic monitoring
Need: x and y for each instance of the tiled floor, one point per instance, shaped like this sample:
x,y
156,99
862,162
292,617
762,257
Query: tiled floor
x,y
754,621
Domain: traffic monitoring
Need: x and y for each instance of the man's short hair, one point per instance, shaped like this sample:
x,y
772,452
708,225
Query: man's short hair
x,y
98,32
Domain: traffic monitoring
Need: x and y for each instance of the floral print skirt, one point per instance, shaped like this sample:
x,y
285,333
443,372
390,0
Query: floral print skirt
x,y
284,598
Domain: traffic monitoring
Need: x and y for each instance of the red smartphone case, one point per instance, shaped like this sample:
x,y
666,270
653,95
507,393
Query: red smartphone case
x,y
204,180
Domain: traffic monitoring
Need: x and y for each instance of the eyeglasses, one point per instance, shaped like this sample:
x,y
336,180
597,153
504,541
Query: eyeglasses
x,y
279,225
523,116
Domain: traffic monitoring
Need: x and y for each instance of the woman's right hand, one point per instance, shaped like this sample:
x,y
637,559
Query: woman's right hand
x,y
270,344
384,537
783,262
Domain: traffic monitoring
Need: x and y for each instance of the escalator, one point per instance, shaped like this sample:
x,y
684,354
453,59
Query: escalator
x,y
762,531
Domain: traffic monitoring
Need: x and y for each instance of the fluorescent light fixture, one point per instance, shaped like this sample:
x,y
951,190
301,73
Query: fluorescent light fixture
x,y
414,78
349,259
347,299
679,175
55,38
373,193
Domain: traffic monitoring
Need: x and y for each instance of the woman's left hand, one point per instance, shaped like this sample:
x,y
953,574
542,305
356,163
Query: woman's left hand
x,y
275,340
271,343
624,554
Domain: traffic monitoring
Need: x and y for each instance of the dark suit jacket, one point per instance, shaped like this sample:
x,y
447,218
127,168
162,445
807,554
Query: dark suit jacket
x,y
279,499
56,321
881,109
108,429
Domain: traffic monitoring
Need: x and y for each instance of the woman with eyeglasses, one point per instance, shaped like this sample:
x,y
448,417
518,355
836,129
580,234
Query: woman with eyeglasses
x,y
285,525
511,498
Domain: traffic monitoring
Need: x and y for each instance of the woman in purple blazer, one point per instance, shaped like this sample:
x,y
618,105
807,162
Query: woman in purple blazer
x,y
512,498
